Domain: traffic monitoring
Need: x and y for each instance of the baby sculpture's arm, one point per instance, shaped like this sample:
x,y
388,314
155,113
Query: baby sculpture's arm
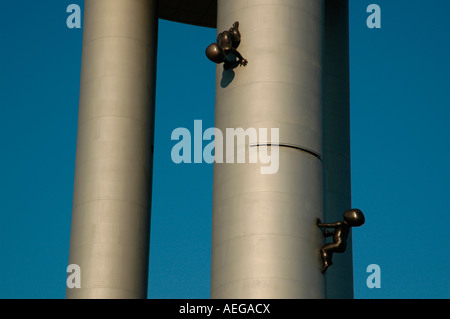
x,y
241,59
327,225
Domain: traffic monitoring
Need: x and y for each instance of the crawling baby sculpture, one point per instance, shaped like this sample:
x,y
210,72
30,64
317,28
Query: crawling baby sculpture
x,y
352,218
227,43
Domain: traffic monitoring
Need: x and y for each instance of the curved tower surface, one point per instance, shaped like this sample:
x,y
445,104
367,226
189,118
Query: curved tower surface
x,y
265,243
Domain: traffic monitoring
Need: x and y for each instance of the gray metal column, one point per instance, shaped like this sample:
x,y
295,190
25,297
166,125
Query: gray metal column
x,y
111,203
336,157
265,241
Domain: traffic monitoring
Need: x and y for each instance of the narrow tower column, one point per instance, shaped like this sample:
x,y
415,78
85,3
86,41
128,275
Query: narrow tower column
x,y
111,203
265,240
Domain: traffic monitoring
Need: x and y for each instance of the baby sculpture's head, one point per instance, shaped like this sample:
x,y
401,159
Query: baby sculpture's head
x,y
354,217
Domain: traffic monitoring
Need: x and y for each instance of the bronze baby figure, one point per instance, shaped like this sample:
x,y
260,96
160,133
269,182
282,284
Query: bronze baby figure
x,y
227,43
352,218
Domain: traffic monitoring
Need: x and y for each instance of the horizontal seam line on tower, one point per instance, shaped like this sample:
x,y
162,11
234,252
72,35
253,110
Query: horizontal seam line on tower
x,y
251,235
252,278
106,287
107,199
265,191
121,76
278,5
254,123
282,82
115,36
299,148
91,118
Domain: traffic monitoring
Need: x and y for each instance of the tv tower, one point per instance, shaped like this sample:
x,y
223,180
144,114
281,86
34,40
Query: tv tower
x,y
265,239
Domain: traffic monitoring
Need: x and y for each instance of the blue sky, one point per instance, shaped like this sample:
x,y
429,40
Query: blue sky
x,y
400,140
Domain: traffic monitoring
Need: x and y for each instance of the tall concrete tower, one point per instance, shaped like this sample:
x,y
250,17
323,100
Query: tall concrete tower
x,y
265,241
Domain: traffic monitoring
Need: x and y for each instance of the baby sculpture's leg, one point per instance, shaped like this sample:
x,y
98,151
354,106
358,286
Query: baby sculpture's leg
x,y
327,256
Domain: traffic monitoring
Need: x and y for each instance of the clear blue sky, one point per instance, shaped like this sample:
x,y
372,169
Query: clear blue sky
x,y
400,113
